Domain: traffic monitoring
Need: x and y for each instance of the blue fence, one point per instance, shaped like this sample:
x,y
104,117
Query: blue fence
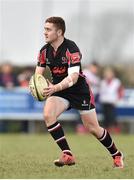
x,y
18,103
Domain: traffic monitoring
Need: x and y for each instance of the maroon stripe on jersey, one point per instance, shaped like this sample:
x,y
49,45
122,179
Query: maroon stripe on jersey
x,y
54,53
92,101
68,56
81,74
43,57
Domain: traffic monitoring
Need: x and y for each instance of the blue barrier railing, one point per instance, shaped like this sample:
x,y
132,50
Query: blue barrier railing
x,y
18,103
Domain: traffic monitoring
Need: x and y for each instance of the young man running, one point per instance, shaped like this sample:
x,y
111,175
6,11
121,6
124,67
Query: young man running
x,y
69,90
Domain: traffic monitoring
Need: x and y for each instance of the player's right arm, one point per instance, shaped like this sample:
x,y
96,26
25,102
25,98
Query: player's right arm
x,y
41,65
39,70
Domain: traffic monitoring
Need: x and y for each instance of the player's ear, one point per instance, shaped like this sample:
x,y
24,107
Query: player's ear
x,y
59,32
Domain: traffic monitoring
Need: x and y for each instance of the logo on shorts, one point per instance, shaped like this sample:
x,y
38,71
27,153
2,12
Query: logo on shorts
x,y
84,103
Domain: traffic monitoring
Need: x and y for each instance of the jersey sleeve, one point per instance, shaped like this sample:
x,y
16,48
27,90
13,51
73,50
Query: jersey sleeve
x,y
42,58
73,55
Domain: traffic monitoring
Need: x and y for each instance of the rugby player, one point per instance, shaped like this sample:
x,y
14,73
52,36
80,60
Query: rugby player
x,y
69,90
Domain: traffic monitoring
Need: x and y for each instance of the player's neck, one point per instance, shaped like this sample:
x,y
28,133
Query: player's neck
x,y
57,43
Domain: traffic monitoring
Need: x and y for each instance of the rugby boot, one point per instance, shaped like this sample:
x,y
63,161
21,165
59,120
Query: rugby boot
x,y
118,161
65,159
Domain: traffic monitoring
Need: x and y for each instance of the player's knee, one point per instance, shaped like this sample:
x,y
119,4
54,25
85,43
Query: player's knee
x,y
96,131
49,119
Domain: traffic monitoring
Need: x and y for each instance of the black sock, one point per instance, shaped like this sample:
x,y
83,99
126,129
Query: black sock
x,y
57,133
107,141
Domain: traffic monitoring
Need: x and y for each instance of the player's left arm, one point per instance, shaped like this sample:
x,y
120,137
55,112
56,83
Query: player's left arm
x,y
67,82
70,80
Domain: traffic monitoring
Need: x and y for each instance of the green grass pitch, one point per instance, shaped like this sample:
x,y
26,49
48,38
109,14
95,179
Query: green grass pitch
x,y
31,156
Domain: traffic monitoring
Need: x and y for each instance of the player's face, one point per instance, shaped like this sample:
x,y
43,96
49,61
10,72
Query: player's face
x,y
50,32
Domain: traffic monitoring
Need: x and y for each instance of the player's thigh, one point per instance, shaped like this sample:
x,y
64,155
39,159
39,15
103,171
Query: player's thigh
x,y
55,105
89,118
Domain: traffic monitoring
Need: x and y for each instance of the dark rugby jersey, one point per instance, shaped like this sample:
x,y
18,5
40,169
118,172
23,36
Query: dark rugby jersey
x,y
67,55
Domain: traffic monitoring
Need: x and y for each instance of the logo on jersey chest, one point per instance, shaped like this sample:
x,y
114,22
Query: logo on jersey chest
x,y
63,60
47,61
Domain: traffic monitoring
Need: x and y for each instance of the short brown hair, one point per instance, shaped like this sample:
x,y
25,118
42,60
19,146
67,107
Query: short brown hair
x,y
58,21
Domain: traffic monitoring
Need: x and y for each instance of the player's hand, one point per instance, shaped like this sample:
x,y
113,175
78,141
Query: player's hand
x,y
49,90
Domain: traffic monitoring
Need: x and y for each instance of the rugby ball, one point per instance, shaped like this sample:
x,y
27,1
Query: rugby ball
x,y
36,85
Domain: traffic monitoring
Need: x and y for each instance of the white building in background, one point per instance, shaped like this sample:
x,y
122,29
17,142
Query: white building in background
x,y
103,29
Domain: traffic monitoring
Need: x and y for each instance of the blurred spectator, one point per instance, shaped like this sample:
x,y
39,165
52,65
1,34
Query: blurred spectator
x,y
7,77
25,76
23,79
92,77
7,80
111,90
